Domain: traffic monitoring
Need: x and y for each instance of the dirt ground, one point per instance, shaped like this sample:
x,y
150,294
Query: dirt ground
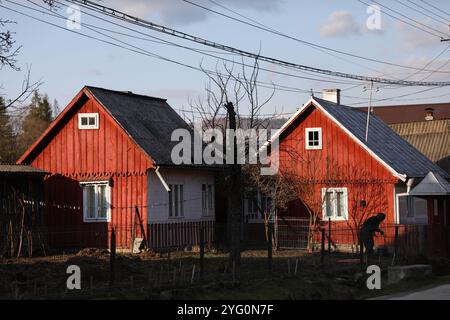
x,y
295,275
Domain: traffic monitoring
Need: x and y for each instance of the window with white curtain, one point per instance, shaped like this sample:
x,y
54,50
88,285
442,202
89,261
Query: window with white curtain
x,y
96,202
335,204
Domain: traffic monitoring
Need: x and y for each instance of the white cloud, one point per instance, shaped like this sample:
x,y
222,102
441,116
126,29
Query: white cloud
x,y
177,12
340,23
412,39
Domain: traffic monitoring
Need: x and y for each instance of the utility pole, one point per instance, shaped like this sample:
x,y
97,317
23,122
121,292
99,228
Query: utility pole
x,y
234,192
369,109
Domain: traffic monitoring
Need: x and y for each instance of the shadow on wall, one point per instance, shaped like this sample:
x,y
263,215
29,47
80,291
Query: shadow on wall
x,y
63,216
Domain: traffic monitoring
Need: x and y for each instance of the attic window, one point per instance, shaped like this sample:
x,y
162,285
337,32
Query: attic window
x,y
313,138
87,121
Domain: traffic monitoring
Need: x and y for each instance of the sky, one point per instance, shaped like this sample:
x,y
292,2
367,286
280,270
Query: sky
x,y
67,61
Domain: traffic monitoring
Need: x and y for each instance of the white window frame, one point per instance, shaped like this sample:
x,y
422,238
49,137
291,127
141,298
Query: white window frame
x,y
334,216
176,202
207,199
307,131
86,217
88,126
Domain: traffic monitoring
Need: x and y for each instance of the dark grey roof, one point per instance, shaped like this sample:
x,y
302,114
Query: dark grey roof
x,y
383,141
20,169
149,121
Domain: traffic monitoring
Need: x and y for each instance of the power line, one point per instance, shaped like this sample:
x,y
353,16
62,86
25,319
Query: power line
x,y
271,30
144,52
266,28
321,78
182,35
400,96
156,56
432,6
148,53
406,22
426,15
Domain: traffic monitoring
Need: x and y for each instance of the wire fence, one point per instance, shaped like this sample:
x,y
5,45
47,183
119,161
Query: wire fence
x,y
333,248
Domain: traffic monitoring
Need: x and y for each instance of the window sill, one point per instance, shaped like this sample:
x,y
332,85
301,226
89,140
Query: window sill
x,y
96,220
335,219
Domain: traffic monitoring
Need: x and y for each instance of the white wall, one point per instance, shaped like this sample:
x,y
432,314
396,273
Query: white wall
x,y
192,180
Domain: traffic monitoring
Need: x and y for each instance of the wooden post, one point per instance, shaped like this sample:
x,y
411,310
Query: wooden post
x,y
112,257
269,248
202,252
394,257
329,235
193,274
133,231
234,187
234,271
296,267
361,251
322,248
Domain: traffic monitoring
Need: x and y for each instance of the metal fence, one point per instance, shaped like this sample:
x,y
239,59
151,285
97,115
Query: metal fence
x,y
291,233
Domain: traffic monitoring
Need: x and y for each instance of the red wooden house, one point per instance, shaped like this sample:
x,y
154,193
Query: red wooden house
x,y
109,153
324,144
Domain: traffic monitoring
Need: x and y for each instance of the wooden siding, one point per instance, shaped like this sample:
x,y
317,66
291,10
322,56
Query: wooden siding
x,y
73,155
340,163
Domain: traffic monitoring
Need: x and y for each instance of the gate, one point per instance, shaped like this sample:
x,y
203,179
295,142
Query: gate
x,y
292,232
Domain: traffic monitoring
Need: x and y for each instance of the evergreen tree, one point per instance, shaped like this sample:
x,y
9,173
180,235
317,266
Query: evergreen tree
x,y
56,109
7,150
38,118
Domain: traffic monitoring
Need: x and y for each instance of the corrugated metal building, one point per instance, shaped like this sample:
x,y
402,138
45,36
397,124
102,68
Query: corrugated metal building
x,y
432,138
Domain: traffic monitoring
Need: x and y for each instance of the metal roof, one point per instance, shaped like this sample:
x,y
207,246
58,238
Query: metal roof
x,y
383,141
432,185
432,138
20,169
410,113
148,120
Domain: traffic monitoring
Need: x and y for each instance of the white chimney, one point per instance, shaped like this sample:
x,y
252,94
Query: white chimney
x,y
332,95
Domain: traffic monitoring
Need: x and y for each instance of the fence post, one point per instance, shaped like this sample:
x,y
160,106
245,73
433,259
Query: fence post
x,y
269,248
322,248
202,252
329,235
395,245
361,249
112,257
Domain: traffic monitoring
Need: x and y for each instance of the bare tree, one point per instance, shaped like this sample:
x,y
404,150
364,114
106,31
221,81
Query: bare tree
x,y
368,197
8,58
232,100
8,50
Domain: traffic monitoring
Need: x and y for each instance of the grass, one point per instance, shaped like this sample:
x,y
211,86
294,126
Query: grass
x,y
45,277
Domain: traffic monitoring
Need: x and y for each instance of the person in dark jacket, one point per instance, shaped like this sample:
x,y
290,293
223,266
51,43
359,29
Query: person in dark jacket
x,y
368,229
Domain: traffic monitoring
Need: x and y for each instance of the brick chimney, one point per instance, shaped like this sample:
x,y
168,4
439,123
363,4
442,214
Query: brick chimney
x,y
332,95
429,114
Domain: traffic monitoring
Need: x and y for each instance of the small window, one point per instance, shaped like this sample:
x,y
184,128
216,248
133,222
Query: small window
x,y
88,121
207,199
176,201
96,202
313,138
256,205
335,203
